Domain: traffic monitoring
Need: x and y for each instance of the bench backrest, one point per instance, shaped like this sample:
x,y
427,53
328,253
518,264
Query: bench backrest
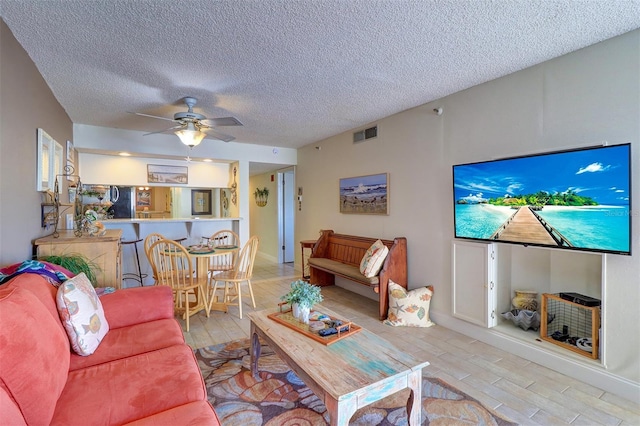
x,y
349,249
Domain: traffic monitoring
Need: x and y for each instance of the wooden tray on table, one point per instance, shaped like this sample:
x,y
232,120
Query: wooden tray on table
x,y
286,318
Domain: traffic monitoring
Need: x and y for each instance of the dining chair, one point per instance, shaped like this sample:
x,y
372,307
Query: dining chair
x,y
231,281
148,241
224,238
174,268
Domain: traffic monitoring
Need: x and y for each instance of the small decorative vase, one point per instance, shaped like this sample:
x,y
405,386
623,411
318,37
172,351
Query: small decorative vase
x,y
295,311
301,312
304,314
525,300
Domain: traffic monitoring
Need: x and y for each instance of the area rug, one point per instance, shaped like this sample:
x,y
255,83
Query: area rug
x,y
279,398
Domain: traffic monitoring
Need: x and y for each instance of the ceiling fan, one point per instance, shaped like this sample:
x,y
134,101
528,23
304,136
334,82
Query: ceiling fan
x,y
193,127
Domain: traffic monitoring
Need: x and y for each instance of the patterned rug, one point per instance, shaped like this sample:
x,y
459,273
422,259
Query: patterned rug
x,y
279,398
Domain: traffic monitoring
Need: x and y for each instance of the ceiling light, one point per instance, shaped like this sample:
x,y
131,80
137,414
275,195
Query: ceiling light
x,y
124,154
190,135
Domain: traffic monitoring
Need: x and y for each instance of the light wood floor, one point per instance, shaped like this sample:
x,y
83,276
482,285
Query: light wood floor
x,y
520,390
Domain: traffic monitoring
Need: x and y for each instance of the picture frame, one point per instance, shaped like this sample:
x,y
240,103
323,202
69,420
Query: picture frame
x,y
43,161
157,173
57,162
201,202
365,194
143,198
70,152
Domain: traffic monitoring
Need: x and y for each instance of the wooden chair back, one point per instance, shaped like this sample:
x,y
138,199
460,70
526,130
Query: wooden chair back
x,y
244,266
148,241
223,262
172,264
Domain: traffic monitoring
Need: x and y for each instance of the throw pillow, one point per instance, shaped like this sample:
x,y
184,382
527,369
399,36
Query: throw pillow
x,y
373,259
409,308
82,315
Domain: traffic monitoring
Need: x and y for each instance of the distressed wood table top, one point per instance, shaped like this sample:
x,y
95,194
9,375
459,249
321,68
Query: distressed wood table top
x,y
347,374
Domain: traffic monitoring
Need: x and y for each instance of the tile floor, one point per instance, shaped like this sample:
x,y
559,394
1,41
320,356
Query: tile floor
x,y
523,391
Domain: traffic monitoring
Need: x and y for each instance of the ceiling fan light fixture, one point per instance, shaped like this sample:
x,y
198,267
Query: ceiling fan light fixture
x,y
190,135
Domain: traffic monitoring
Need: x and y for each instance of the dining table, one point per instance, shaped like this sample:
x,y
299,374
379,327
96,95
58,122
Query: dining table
x,y
202,254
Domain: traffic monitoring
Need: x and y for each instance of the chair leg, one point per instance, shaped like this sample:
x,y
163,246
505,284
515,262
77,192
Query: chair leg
x,y
253,302
238,290
202,296
186,308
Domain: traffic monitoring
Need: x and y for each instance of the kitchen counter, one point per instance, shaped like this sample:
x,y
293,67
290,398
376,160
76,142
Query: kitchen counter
x,y
170,219
193,228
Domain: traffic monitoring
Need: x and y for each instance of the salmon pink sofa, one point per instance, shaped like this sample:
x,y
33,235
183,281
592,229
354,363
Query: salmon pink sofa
x,y
142,372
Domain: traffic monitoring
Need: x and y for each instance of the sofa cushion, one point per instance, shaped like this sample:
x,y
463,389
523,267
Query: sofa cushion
x,y
81,314
42,289
194,413
35,354
409,308
373,259
129,389
349,271
122,308
135,339
9,409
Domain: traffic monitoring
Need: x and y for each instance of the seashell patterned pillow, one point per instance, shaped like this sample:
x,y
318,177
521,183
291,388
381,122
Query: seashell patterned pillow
x,y
409,308
81,314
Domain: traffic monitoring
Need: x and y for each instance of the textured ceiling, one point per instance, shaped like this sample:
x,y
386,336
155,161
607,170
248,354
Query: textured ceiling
x,y
294,72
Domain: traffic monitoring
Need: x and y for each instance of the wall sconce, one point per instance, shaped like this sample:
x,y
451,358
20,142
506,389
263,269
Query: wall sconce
x,y
261,196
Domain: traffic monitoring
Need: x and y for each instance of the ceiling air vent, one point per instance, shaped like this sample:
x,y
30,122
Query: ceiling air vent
x,y
365,134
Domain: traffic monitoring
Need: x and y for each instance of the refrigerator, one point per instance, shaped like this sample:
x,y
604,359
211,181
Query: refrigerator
x,y
123,199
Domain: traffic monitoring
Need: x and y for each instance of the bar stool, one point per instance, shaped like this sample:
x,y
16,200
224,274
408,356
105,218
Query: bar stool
x,y
132,275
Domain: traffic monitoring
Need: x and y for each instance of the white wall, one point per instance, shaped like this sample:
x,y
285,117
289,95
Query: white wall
x,y
578,100
132,171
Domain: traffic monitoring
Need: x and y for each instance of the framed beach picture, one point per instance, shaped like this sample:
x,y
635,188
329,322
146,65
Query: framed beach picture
x,y
167,174
365,194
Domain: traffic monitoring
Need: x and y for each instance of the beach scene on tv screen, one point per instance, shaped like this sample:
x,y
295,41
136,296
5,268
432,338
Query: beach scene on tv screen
x,y
575,199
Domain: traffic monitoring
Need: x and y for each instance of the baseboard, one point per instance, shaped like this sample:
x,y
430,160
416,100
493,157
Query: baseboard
x,y
274,259
586,370
266,257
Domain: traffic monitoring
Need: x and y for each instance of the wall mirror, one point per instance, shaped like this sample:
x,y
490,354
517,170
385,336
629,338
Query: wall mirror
x,y
49,161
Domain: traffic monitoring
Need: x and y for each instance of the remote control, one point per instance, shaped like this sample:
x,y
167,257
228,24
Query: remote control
x,y
331,331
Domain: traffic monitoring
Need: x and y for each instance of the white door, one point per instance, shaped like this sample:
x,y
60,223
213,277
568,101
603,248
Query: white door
x,y
286,208
474,293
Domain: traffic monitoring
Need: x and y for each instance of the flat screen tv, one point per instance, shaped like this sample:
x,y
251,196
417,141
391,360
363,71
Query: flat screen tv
x,y
576,199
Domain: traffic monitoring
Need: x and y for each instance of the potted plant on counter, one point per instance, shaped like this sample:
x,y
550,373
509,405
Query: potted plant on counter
x,y
302,297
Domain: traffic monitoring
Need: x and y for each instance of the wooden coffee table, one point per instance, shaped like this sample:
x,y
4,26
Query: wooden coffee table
x,y
346,375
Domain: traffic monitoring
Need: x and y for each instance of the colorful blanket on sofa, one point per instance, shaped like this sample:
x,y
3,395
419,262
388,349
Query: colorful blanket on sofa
x,y
55,274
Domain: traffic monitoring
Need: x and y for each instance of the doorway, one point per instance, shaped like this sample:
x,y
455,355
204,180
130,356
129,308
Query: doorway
x,y
286,210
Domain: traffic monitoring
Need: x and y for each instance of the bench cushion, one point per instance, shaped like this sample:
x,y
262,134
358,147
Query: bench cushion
x,y
348,271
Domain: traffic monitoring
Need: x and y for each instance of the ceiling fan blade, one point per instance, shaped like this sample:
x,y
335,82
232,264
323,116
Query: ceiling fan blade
x,y
212,134
165,130
151,116
223,121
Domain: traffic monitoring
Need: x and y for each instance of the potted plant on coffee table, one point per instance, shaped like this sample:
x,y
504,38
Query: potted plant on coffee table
x,y
302,297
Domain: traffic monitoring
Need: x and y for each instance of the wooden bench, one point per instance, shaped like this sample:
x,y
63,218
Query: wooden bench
x,y
340,255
